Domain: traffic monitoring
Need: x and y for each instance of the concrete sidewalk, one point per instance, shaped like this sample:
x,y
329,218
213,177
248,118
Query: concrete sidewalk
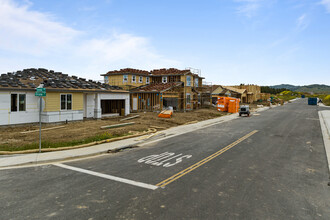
x,y
325,126
36,158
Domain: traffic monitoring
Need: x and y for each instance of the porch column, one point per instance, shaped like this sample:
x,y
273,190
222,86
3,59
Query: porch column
x,y
97,106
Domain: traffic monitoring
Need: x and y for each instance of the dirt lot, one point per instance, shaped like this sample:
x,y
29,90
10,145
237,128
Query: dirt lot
x,y
12,139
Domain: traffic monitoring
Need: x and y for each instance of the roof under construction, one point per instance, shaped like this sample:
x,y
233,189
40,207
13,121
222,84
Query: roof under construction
x,y
157,87
127,71
155,72
223,89
29,79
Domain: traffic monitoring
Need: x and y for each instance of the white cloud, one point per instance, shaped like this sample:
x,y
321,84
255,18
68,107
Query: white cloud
x,y
37,37
31,32
326,4
302,22
121,50
249,8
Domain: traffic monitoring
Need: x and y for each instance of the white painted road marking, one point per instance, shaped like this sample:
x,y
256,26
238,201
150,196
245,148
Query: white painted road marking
x,y
105,176
160,159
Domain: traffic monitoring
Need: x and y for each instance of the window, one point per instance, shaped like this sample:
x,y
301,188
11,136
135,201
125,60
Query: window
x,y
125,78
18,102
21,103
14,102
188,80
140,79
188,98
133,78
164,79
106,79
147,79
196,82
66,101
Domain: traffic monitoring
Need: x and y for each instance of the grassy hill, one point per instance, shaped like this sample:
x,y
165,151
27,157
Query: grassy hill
x,y
315,88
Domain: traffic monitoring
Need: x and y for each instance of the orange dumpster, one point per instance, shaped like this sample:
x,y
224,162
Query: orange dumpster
x,y
222,104
233,105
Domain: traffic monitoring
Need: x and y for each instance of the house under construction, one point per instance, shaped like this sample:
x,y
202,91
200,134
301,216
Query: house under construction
x,y
161,88
246,93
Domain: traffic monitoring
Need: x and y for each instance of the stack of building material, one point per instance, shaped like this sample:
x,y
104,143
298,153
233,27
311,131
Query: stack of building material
x,y
166,114
233,105
222,104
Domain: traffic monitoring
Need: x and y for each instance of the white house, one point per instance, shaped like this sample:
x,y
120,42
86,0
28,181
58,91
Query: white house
x,y
67,98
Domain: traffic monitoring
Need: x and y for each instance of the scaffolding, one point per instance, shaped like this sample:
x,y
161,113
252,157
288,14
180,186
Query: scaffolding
x,y
195,71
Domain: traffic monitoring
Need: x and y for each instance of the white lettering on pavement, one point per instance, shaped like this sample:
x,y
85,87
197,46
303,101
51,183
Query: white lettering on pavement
x,y
166,159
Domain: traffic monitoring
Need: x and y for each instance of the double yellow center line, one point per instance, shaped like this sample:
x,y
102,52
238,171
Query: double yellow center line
x,y
200,163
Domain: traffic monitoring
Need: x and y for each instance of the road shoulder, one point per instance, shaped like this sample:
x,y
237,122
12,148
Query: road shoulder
x,y
325,126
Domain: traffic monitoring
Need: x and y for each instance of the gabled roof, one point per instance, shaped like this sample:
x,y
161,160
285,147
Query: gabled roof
x,y
29,79
217,90
157,87
241,91
223,89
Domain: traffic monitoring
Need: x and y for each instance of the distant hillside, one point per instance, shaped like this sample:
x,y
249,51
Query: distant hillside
x,y
285,86
315,88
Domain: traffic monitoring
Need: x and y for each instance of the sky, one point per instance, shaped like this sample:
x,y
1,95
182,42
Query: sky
x,y
264,42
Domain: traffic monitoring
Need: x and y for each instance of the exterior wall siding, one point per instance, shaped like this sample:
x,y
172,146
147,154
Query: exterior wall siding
x,y
117,80
52,102
90,105
77,101
31,114
60,116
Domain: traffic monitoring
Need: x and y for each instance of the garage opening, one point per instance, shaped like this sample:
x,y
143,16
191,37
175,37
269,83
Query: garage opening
x,y
113,107
171,102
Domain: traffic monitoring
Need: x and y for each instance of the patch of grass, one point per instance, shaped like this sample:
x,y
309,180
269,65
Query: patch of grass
x,y
53,144
326,100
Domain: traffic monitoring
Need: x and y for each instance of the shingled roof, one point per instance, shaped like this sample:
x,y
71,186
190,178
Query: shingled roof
x,y
127,70
157,87
155,72
170,71
29,79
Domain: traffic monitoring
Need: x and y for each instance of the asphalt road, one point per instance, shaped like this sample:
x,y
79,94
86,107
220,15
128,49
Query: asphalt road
x,y
268,166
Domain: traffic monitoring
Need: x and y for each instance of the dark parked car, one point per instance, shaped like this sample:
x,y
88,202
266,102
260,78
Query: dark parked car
x,y
244,110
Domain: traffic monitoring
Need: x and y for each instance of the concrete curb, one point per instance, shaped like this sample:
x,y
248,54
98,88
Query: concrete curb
x,y
325,127
43,158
